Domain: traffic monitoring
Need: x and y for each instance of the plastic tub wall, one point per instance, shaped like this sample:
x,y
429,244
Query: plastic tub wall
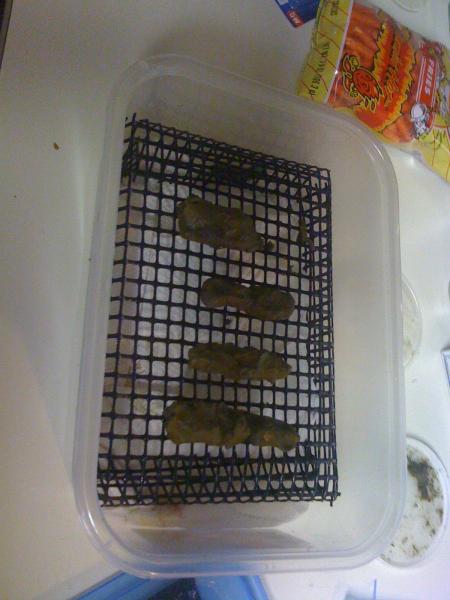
x,y
205,539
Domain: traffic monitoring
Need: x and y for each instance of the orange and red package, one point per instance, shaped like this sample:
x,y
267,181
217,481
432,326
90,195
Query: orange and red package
x,y
394,80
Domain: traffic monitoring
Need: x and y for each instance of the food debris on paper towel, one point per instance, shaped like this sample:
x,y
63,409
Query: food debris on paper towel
x,y
262,301
217,226
238,363
424,512
216,424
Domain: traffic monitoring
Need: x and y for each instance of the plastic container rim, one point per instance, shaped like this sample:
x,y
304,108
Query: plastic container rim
x,y
88,413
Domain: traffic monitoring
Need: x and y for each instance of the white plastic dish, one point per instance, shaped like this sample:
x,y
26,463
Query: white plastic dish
x,y
226,539
425,519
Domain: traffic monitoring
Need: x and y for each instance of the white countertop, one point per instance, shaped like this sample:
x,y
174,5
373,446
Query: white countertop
x,y
61,61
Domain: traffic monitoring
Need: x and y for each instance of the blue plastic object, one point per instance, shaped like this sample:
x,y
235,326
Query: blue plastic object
x,y
299,11
128,587
231,588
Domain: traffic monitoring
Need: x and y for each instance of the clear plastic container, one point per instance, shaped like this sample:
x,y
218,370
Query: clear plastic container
x,y
412,323
261,538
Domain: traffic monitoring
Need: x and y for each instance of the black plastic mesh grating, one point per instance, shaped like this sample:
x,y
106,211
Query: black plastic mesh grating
x,y
156,317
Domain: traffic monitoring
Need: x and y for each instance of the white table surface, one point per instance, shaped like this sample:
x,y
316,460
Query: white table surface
x,y
61,61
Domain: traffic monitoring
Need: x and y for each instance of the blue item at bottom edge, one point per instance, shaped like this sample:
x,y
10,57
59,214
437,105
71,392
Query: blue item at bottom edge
x,y
128,587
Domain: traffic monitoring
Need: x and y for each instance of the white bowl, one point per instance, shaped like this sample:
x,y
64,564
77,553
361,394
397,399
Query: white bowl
x,y
426,511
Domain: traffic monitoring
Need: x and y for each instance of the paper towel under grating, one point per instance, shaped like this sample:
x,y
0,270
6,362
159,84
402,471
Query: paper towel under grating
x,y
156,317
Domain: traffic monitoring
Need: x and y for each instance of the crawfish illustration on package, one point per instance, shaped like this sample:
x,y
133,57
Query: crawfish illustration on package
x,y
392,79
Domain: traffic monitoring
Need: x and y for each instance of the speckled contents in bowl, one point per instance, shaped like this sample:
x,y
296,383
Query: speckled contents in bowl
x,y
424,512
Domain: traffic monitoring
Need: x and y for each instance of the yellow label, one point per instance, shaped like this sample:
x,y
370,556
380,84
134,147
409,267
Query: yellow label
x,y
319,69
435,147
